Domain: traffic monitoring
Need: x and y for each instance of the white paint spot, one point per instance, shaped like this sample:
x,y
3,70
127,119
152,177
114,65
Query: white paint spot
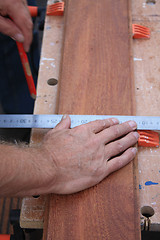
x,y
153,203
53,65
47,59
50,105
144,5
137,59
42,63
52,43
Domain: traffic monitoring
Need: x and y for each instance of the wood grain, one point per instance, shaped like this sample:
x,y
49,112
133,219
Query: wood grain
x,y
96,78
96,60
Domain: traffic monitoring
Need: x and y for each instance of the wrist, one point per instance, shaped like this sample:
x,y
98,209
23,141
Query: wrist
x,y
25,171
38,172
43,171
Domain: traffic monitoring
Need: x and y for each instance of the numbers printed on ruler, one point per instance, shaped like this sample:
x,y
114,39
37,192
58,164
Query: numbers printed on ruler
x,y
50,121
23,120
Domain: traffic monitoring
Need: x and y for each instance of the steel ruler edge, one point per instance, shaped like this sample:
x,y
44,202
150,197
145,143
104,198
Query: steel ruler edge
x,y
50,121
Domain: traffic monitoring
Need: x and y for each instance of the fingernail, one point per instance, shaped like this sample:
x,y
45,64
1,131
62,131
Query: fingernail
x,y
136,135
115,120
133,124
134,150
64,116
19,37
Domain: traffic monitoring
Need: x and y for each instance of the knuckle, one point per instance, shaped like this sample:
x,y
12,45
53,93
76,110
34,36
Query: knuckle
x,y
110,121
120,147
25,18
98,172
93,125
104,123
116,131
107,122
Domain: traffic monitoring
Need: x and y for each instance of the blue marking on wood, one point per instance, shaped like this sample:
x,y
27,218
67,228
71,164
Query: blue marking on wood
x,y
149,183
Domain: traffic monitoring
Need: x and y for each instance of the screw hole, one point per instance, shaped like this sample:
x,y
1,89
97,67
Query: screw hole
x,y
151,2
147,211
52,81
36,196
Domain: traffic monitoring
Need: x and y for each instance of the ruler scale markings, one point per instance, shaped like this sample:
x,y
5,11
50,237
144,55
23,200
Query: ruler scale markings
x,y
50,121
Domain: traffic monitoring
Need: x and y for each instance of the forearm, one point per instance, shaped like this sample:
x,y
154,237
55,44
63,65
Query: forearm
x,y
22,171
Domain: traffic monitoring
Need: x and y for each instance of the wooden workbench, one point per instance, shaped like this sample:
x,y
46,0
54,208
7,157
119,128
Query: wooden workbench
x,y
146,56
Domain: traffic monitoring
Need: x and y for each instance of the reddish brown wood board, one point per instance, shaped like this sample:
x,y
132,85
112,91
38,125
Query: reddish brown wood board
x,y
96,78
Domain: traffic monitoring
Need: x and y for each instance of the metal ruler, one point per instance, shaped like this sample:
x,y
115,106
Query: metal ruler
x,y
50,121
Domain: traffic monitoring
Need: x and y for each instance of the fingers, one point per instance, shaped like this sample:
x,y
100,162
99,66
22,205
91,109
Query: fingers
x,y
116,131
7,27
23,21
99,125
119,146
20,27
119,162
65,123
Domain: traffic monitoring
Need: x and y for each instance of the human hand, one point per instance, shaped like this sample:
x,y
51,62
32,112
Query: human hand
x,y
79,158
20,27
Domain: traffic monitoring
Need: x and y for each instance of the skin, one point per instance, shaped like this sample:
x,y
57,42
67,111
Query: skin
x,y
20,27
67,160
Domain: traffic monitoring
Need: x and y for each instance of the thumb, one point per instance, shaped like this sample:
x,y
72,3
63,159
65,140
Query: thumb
x,y
65,123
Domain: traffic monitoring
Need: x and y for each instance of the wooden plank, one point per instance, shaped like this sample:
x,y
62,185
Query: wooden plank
x,y
96,78
93,63
146,55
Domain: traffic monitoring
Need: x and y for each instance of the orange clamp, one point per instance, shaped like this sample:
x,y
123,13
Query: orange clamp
x,y
148,138
55,9
140,31
33,10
